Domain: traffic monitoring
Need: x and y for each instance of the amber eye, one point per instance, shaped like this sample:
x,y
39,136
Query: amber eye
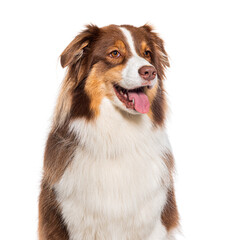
x,y
147,53
115,54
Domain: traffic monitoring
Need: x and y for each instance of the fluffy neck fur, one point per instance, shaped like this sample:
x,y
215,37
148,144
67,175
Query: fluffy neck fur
x,y
117,177
117,132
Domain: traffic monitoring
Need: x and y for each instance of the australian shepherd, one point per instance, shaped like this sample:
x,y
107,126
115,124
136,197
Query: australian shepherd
x,y
108,165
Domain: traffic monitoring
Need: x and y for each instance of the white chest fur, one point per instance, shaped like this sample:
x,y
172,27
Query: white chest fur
x,y
116,185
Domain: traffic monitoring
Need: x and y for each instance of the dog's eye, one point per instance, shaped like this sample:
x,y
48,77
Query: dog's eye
x,y
115,54
147,53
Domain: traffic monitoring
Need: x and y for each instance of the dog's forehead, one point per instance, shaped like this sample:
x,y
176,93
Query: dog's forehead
x,y
138,34
131,36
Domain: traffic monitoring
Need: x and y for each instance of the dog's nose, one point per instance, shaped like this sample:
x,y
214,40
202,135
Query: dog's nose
x,y
147,72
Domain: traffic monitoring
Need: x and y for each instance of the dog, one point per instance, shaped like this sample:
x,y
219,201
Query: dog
x,y
108,165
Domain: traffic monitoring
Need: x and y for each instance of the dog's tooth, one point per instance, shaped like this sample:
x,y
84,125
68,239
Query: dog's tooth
x,y
133,101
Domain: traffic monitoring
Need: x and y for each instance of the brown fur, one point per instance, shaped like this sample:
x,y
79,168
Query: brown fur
x,y
159,105
58,154
73,101
170,215
99,86
51,225
59,150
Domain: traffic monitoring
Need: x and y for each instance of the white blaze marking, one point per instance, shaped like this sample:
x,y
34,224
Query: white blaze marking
x,y
129,40
130,76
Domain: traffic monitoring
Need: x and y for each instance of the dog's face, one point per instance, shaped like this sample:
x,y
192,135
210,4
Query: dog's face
x,y
123,63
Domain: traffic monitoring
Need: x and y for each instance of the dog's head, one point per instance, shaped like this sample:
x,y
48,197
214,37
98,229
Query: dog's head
x,y
123,63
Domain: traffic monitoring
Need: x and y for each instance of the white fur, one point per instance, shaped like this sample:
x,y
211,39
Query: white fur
x,y
130,76
116,185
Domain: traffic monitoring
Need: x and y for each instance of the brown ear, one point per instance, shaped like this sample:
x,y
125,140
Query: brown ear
x,y
161,57
74,51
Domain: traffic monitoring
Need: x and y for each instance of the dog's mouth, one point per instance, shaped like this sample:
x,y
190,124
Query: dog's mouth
x,y
135,99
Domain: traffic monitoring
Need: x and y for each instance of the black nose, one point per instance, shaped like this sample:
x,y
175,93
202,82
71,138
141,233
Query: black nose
x,y
147,72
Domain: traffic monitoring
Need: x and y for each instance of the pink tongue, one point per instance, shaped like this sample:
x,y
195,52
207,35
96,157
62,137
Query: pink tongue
x,y
141,101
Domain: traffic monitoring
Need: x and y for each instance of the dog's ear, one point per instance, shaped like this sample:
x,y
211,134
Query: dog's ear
x,y
74,51
161,57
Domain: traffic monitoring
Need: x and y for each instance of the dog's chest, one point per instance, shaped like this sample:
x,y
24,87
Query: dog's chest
x,y
116,185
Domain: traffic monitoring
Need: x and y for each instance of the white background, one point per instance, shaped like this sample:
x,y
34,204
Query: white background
x,y
199,41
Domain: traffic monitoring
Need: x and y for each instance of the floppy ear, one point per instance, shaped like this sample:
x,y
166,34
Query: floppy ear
x,y
161,57
74,51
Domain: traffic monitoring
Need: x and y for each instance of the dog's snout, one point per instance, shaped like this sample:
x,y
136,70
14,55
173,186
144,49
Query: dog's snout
x,y
147,72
